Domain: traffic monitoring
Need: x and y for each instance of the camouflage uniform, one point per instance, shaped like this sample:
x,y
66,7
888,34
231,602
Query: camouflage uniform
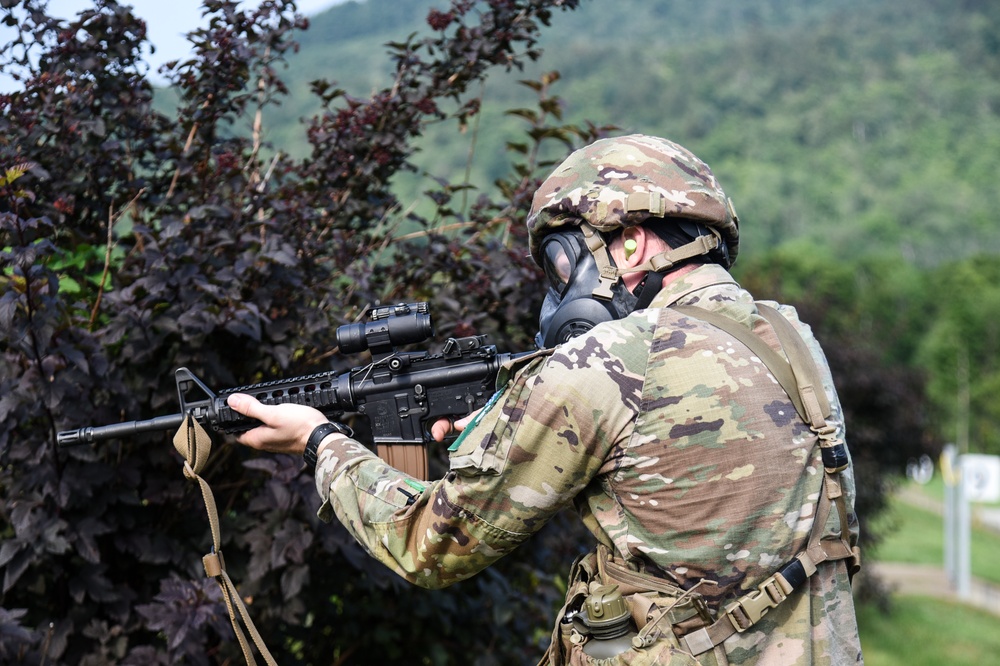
x,y
678,448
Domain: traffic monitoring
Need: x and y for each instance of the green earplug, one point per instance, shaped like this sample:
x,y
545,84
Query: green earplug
x,y
630,247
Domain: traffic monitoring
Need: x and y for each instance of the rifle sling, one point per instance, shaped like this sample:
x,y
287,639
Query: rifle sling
x,y
194,443
803,366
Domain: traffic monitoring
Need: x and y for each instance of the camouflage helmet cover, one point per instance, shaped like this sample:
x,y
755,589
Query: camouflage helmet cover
x,y
624,181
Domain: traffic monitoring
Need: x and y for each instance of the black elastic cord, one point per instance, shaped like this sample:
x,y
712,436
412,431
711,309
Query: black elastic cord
x,y
650,288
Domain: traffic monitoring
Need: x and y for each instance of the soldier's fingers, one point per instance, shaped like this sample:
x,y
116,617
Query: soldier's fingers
x,y
465,420
253,438
247,405
440,429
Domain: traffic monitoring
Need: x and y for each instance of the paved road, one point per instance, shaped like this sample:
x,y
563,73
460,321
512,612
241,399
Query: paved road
x,y
928,580
982,516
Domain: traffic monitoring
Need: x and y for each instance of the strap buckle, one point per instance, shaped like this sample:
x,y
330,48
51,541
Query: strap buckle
x,y
214,564
747,611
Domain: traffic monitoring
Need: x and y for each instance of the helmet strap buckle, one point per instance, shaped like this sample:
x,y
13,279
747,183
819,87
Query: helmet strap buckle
x,y
602,256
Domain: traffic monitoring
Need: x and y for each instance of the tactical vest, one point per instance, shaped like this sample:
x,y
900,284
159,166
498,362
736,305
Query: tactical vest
x,y
669,619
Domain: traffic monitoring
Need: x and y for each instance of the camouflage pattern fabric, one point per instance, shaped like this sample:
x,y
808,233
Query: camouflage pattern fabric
x,y
680,451
623,181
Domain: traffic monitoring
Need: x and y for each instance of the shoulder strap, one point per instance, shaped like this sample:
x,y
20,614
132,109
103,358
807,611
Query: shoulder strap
x,y
803,365
798,375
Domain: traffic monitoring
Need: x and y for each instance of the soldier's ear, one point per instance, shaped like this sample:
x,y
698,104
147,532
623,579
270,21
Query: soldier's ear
x,y
629,249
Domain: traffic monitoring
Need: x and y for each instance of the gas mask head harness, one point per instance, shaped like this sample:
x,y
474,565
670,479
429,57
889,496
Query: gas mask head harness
x,y
585,287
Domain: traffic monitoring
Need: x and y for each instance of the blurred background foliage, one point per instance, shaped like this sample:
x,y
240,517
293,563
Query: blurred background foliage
x,y
865,134
230,221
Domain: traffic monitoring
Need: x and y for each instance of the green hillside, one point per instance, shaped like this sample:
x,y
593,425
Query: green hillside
x,y
860,142
865,127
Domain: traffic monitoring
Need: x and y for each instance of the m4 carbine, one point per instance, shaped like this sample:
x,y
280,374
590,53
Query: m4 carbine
x,y
401,394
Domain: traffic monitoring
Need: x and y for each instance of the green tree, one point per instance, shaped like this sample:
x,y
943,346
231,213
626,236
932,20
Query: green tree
x,y
962,351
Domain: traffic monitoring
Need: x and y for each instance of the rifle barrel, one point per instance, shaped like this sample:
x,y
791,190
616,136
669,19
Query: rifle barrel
x,y
127,429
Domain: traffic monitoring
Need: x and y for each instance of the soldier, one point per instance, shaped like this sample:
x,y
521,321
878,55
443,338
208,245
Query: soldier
x,y
696,431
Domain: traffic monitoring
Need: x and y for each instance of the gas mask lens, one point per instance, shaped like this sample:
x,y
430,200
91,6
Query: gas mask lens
x,y
570,308
558,265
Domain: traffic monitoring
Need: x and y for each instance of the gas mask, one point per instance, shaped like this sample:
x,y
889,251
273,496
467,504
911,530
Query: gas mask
x,y
572,305
585,287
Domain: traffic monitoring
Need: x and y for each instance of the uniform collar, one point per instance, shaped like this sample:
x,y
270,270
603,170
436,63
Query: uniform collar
x,y
680,289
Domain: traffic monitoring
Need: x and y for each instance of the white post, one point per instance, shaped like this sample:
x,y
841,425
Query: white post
x,y
949,470
979,481
963,551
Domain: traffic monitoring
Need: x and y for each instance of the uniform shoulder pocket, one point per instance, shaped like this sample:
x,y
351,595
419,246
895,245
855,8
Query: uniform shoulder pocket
x,y
484,445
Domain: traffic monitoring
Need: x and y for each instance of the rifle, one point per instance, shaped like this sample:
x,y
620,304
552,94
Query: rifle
x,y
400,393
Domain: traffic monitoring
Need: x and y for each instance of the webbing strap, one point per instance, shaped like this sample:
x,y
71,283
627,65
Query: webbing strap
x,y
629,581
814,399
657,263
803,365
598,248
194,443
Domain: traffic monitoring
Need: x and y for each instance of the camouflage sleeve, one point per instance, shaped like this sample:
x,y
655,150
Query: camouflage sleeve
x,y
527,456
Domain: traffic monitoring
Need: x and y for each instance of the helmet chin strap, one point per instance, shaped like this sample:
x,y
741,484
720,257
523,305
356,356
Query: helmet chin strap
x,y
657,265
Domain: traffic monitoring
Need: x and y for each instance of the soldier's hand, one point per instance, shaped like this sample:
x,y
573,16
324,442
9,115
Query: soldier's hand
x,y
444,427
286,428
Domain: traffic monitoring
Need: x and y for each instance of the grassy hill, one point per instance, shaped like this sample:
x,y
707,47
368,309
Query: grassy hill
x,y
922,630
854,127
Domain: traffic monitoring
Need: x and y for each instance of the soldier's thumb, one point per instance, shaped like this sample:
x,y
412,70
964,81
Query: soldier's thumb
x,y
247,405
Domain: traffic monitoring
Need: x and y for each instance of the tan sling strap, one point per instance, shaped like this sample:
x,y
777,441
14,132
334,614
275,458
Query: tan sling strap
x,y
810,386
194,443
807,375
799,376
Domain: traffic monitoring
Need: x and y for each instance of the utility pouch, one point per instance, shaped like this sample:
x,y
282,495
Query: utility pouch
x,y
688,614
582,573
657,640
661,612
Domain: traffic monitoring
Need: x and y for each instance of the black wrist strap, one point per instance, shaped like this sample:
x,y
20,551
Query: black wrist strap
x,y
318,434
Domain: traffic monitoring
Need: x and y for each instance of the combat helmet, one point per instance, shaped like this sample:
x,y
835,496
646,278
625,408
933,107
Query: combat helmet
x,y
625,181
608,185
